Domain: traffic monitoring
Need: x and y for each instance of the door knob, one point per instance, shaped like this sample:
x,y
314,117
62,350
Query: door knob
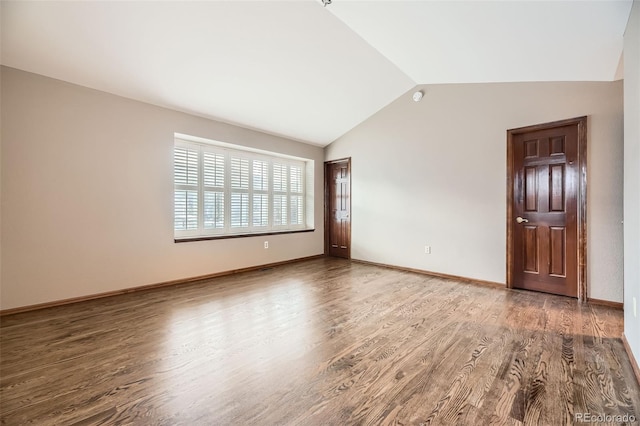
x,y
521,219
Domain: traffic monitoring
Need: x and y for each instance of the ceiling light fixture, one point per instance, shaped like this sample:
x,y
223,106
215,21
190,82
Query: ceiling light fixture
x,y
326,2
418,96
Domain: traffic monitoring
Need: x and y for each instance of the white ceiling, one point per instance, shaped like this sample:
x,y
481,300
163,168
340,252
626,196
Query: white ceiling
x,y
493,41
296,69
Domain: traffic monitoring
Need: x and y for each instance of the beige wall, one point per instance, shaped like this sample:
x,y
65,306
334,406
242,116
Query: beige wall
x,y
632,179
87,194
434,173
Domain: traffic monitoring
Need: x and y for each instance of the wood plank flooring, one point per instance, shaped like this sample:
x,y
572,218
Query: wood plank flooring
x,y
320,342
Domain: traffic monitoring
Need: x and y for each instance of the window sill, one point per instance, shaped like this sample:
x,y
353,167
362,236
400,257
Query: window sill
x,y
224,237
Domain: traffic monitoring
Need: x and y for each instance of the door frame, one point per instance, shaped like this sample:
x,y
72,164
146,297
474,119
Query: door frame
x,y
327,213
581,122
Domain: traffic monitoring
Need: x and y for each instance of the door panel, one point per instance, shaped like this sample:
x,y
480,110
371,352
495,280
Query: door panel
x,y
556,187
530,249
543,228
338,208
558,249
531,189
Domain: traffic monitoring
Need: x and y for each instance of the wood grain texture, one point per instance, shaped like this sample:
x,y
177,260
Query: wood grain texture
x,y
337,187
616,305
321,342
457,278
150,286
634,361
545,248
556,146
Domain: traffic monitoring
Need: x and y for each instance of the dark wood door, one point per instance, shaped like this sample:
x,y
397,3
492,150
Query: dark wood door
x,y
338,208
545,208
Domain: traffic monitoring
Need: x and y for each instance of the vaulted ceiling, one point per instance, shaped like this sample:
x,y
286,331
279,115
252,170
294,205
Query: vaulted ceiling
x,y
301,70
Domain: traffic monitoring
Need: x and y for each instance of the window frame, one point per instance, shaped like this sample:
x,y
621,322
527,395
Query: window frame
x,y
227,230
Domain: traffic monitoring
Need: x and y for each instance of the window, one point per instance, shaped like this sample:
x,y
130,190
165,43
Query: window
x,y
220,191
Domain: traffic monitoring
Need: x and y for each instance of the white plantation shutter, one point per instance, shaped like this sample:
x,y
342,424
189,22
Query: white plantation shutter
x,y
185,176
223,191
279,209
185,210
296,198
279,177
297,212
239,173
260,175
239,210
280,199
213,174
260,187
213,210
260,210
296,179
213,169
185,166
239,192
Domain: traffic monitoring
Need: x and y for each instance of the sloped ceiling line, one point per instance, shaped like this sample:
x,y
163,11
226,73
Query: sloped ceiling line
x,y
298,69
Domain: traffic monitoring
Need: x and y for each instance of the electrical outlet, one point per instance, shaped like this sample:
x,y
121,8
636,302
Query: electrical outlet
x,y
635,313
266,244
427,249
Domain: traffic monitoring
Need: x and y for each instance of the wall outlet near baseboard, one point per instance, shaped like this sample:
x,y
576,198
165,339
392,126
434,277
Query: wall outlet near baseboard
x,y
266,244
427,249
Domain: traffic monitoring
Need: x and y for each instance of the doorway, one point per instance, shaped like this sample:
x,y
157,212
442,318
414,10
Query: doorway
x,y
547,207
337,190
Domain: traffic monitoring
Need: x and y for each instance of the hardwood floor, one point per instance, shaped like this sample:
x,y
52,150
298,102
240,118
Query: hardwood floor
x,y
321,342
